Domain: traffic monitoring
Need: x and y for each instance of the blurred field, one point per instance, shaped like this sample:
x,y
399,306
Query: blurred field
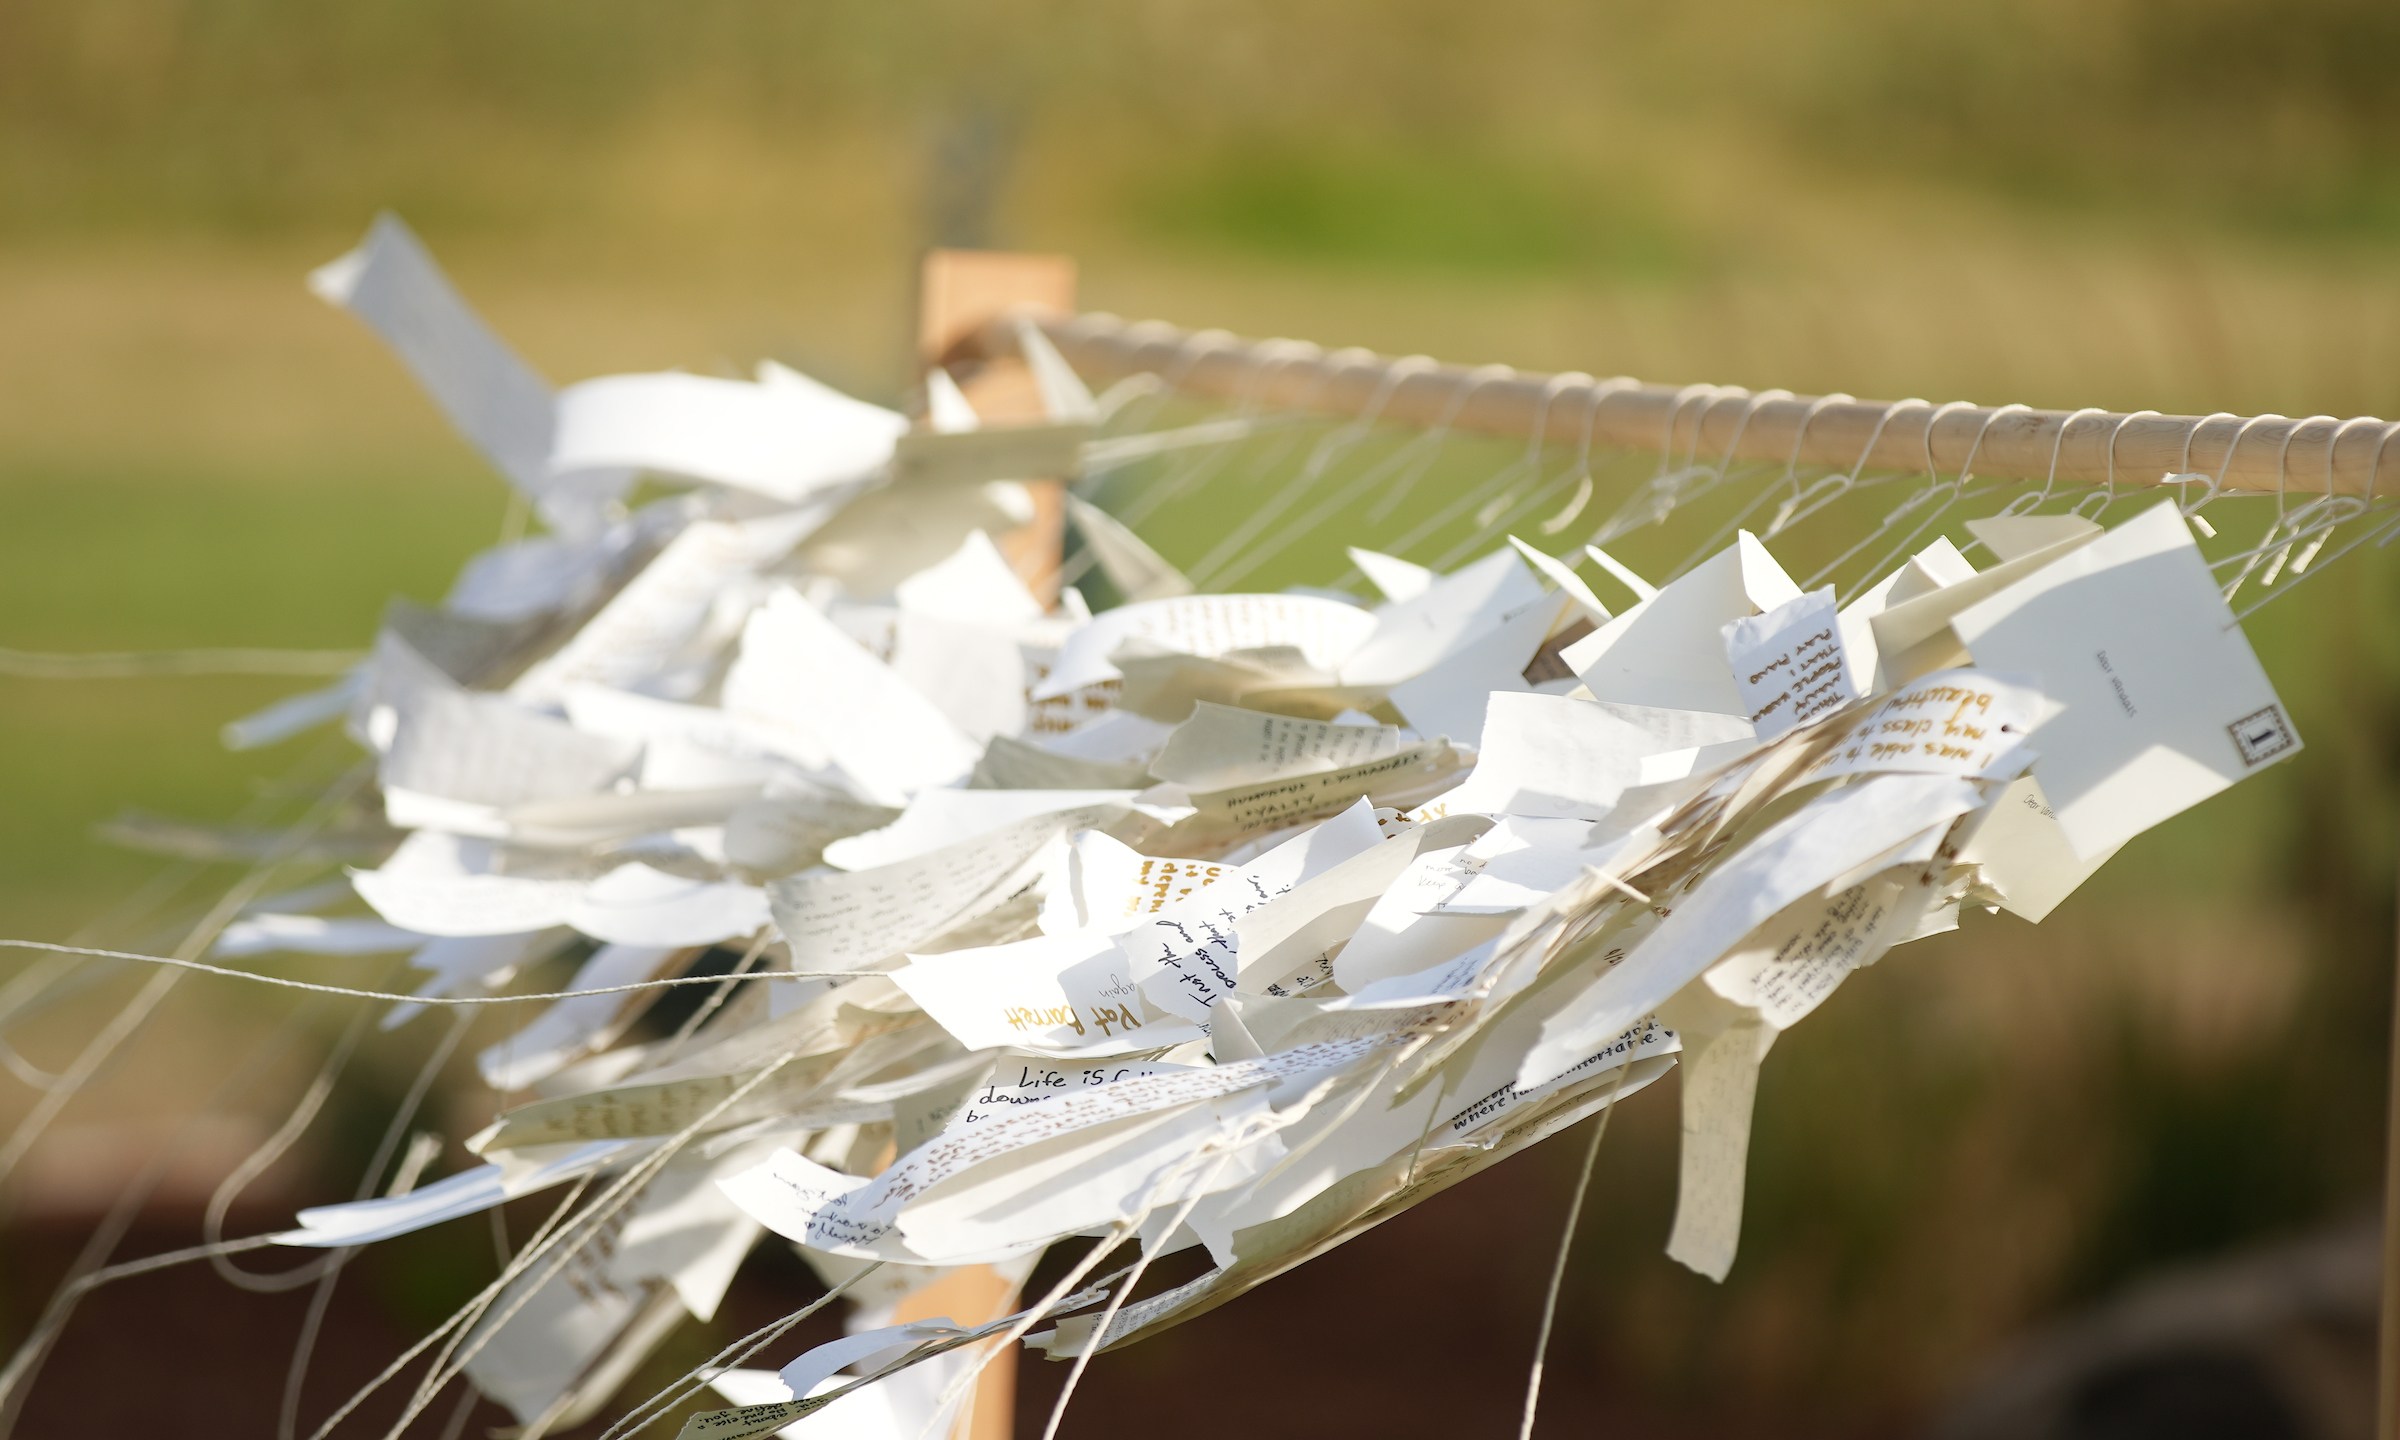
x,y
2127,204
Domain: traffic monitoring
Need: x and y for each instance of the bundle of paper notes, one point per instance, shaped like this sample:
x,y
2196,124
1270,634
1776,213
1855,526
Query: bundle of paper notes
x,y
1234,922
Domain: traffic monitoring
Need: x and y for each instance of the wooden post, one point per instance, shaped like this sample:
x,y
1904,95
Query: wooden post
x,y
962,292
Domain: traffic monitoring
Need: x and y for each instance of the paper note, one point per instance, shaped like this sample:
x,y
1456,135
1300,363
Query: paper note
x,y
783,436
1784,863
1187,955
936,818
974,674
565,1030
1562,574
638,905
462,904
1055,994
1404,778
1488,1109
848,1214
1013,764
1136,571
1399,580
482,749
1413,635
457,962
2023,855
1794,963
1720,1086
1324,631
469,1192
1668,651
656,723
1552,756
1097,882
1016,1081
786,828
643,632
840,921
1964,722
1220,747
2165,705
1450,697
975,586
1523,861
798,669
1291,937
1788,663
1914,634
313,935
494,398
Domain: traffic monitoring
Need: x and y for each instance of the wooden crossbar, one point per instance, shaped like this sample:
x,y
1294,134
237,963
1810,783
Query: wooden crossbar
x,y
2255,454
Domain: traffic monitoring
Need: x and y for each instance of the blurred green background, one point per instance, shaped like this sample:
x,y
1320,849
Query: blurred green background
x,y
2124,203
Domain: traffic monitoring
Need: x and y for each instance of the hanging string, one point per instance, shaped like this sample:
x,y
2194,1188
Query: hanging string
x,y
152,664
1948,495
1432,441
320,1300
1583,455
1329,448
2380,534
694,1380
313,987
1558,1263
1473,498
1117,1298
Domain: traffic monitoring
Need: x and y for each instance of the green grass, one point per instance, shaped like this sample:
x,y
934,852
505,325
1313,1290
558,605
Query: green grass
x,y
153,557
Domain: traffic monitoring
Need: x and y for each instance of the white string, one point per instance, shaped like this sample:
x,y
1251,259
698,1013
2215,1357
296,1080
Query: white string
x,y
627,1189
145,664
295,1377
317,989
1330,447
426,1342
87,1272
1558,1265
312,1100
1116,1300
1023,1321
692,1381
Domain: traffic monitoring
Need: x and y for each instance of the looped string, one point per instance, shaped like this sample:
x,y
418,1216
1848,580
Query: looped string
x,y
1826,489
1584,484
1427,447
1788,477
1329,448
1501,497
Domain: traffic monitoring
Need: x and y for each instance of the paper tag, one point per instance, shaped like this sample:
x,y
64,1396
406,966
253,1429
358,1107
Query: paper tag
x,y
1962,722
1789,663
2165,704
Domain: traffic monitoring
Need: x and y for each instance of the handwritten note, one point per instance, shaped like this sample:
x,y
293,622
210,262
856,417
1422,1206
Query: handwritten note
x,y
1222,746
803,1201
838,920
1188,954
1404,779
1788,663
1030,1080
1056,994
1963,722
1324,632
1798,963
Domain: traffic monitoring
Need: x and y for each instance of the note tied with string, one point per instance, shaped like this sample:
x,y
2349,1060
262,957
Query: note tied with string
x,y
1788,663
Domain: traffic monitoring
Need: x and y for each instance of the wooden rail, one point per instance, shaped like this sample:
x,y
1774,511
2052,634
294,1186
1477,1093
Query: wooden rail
x,y
2255,454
